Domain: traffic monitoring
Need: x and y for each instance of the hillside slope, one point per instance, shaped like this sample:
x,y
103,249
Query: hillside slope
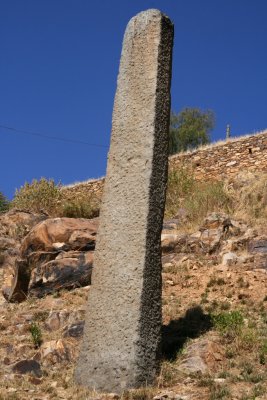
x,y
214,299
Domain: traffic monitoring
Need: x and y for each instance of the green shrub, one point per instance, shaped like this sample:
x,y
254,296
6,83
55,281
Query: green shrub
x,y
36,334
229,323
4,203
39,196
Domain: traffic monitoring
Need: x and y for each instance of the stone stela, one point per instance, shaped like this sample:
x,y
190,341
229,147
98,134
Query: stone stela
x,y
122,335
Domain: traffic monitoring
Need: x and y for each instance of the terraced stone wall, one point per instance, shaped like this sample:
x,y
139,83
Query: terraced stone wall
x,y
226,159
217,161
92,187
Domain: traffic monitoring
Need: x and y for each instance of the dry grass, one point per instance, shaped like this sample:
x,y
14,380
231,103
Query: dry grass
x,y
194,199
249,193
82,207
243,197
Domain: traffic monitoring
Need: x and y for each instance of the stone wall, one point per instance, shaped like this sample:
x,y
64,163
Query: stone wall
x,y
226,159
216,161
92,187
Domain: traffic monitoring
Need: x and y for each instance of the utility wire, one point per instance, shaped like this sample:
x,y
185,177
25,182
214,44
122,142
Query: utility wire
x,y
51,137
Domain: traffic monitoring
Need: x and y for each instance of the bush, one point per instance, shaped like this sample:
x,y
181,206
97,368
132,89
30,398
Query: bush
x,y
44,196
36,334
4,203
229,324
81,208
41,196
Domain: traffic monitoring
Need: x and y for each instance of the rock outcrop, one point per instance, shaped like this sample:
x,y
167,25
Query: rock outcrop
x,y
41,255
199,281
55,254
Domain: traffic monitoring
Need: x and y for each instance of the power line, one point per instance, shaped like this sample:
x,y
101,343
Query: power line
x,y
51,137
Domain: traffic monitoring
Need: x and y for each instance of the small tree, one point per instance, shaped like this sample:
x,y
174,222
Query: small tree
x,y
190,129
4,204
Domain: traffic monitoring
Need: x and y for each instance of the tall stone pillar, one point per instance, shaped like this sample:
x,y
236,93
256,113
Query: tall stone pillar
x,y
122,335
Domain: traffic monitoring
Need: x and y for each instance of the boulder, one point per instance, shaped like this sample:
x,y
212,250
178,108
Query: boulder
x,y
170,240
56,254
208,239
75,233
68,271
16,224
202,356
27,366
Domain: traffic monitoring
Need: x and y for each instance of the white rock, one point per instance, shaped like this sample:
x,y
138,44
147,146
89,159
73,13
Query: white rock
x,y
229,259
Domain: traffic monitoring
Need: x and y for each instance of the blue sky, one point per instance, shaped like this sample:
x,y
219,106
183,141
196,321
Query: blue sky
x,y
58,71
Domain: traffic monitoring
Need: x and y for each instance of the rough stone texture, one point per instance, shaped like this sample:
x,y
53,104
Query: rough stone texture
x,y
68,271
56,234
226,159
93,187
219,160
56,254
121,343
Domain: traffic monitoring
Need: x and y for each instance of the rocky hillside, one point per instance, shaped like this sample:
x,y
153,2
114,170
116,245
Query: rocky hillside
x,y
214,307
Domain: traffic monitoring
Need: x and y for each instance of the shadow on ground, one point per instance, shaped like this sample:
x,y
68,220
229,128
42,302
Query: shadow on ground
x,y
177,332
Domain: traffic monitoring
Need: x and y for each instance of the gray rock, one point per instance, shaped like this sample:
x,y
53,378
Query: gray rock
x,y
200,356
193,364
120,349
74,330
71,270
27,366
258,245
229,259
